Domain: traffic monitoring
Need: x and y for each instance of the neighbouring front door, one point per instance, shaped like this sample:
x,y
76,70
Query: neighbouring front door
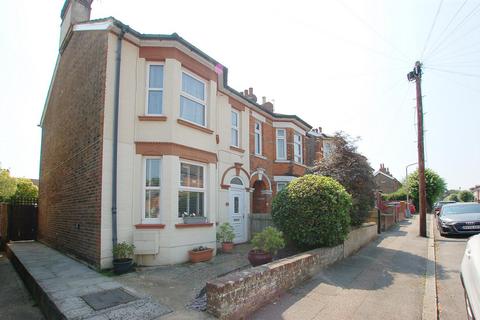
x,y
237,214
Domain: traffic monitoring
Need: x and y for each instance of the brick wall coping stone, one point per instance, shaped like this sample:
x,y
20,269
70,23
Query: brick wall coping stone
x,y
236,295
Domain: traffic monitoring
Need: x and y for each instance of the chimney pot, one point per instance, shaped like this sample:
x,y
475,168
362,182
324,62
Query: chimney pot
x,y
250,91
245,92
264,99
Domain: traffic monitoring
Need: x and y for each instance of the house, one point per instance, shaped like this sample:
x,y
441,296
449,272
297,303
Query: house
x,y
384,180
139,130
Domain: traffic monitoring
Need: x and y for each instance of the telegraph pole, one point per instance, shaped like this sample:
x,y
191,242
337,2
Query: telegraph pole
x,y
416,75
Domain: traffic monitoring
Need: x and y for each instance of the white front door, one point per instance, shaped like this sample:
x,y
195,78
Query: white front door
x,y
237,213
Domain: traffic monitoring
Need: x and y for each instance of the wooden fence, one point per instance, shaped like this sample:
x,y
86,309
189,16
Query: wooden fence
x,y
259,221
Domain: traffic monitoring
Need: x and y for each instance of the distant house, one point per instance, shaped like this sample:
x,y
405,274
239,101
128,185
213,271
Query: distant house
x,y
139,130
384,180
476,192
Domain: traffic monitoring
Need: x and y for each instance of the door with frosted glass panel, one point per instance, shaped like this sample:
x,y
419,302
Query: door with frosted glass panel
x,y
237,214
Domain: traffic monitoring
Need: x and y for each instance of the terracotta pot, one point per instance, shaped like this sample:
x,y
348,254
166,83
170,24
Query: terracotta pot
x,y
200,256
259,257
227,246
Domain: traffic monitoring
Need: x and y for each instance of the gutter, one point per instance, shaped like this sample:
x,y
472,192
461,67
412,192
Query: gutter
x,y
118,59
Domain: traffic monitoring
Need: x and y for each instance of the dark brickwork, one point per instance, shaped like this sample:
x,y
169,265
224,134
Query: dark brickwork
x,y
71,156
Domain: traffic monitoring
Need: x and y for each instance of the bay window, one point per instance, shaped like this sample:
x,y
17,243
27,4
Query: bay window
x,y
297,148
193,100
155,90
281,145
191,193
152,189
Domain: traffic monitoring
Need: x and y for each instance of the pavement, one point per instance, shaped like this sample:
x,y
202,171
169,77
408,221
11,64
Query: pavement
x,y
61,284
15,300
449,254
384,280
177,286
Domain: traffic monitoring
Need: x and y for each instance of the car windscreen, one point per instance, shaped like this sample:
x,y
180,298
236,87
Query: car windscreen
x,y
460,209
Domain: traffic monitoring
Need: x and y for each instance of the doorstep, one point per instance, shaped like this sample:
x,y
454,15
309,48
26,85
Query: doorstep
x,y
65,288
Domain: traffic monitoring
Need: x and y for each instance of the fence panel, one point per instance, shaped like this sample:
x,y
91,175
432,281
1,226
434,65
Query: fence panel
x,y
260,221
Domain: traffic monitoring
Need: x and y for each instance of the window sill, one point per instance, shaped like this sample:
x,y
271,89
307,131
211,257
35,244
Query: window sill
x,y
150,226
260,156
283,161
194,126
152,118
193,225
237,149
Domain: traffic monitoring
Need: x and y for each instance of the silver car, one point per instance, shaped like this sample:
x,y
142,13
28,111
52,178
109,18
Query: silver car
x,y
459,218
470,276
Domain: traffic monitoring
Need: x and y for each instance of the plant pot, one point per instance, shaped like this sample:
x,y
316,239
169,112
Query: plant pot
x,y
259,257
200,256
121,266
227,246
194,220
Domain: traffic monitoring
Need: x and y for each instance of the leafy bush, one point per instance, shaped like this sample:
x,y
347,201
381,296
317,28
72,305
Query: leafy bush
x,y
452,197
313,211
353,171
399,195
435,187
465,196
269,240
26,189
123,250
225,233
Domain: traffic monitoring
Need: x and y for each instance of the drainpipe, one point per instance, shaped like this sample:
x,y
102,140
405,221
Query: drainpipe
x,y
118,59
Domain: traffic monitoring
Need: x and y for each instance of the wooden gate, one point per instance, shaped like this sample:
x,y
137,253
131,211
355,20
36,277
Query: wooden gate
x,y
22,219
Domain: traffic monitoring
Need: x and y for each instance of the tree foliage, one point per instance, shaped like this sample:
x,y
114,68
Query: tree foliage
x,y
399,195
313,211
8,184
352,170
452,197
26,189
435,186
460,196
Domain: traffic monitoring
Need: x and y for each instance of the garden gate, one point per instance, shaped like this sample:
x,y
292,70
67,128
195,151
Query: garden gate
x,y
22,219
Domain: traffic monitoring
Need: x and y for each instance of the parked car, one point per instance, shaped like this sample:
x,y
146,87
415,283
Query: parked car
x,y
470,276
459,218
438,206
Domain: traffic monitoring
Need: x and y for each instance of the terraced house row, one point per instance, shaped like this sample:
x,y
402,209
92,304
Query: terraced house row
x,y
141,130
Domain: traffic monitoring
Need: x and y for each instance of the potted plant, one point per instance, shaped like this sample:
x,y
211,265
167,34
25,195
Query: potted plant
x,y
225,236
122,257
200,254
192,218
265,246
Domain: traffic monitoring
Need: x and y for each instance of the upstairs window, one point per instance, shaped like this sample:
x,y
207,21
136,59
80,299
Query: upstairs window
x,y
235,129
193,100
152,189
258,137
281,144
281,185
297,148
327,150
155,90
191,194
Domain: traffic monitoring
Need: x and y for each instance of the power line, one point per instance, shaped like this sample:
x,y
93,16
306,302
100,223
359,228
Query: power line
x,y
396,49
431,28
455,72
443,41
452,19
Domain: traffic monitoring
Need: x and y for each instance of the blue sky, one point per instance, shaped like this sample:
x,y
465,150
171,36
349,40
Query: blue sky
x,y
340,65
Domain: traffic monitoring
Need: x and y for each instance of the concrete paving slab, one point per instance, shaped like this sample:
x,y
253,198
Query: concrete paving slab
x,y
58,283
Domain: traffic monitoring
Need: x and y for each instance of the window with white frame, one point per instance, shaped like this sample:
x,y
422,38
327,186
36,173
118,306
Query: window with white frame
x,y
191,194
281,144
155,90
193,100
297,148
327,150
235,129
258,137
152,189
281,185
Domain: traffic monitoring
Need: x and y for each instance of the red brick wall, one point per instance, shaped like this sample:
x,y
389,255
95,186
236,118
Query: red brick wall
x,y
71,155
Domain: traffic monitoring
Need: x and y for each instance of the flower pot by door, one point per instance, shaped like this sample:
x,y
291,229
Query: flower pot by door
x,y
227,246
200,256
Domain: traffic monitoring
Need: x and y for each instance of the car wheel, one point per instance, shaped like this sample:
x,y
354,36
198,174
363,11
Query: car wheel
x,y
468,307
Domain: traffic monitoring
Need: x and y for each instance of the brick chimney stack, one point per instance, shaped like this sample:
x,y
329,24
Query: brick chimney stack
x,y
73,12
249,94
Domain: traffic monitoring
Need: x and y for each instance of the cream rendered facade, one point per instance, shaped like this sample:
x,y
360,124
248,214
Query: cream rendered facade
x,y
168,244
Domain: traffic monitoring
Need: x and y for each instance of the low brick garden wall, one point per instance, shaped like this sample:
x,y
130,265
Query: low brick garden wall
x,y
238,294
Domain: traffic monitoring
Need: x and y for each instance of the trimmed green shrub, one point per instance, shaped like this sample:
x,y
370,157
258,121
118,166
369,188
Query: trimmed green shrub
x,y
465,196
269,240
313,211
399,195
452,197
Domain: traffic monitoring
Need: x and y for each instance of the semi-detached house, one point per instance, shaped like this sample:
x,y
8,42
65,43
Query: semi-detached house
x,y
139,129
